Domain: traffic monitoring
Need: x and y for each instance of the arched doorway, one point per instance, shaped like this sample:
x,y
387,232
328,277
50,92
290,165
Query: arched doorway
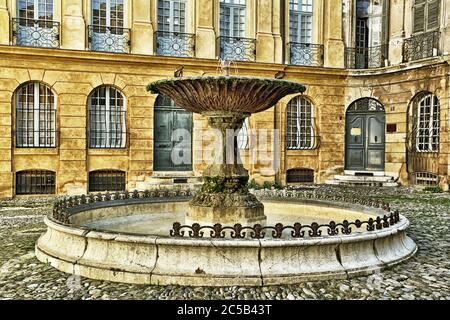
x,y
172,136
365,136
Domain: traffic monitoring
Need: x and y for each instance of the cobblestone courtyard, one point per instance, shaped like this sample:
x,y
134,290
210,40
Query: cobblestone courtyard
x,y
425,276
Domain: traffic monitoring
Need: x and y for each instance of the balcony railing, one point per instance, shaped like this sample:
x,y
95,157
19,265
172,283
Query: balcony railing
x,y
365,58
421,46
174,44
305,54
109,39
35,33
237,49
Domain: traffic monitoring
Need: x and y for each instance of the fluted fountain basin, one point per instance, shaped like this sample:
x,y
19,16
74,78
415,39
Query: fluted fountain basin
x,y
130,240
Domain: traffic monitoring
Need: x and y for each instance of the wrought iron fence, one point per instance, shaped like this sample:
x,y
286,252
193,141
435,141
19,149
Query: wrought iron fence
x,y
237,49
366,58
109,39
305,54
174,44
35,33
421,46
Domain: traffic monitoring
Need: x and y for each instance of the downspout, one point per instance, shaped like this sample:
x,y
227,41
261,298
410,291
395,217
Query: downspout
x,y
282,30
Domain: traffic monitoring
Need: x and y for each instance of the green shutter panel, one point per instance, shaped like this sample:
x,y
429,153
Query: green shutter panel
x,y
433,15
419,18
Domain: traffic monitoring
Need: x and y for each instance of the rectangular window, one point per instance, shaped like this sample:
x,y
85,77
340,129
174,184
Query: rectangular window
x,y
35,182
106,180
232,18
426,15
300,21
172,16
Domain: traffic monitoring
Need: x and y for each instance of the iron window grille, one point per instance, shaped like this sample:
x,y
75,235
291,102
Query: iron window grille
x,y
425,179
300,175
107,32
35,116
106,180
426,126
366,58
301,131
107,118
35,182
175,44
421,46
305,54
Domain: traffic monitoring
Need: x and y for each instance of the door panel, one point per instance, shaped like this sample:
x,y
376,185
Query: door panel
x,y
172,146
365,141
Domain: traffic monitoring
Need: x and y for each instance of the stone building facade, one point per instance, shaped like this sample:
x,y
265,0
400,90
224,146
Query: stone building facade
x,y
75,114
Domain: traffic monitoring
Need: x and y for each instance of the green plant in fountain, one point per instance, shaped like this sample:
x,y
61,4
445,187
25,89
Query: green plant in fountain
x,y
225,185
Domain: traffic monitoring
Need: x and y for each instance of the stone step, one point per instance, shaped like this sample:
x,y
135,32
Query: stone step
x,y
364,178
373,173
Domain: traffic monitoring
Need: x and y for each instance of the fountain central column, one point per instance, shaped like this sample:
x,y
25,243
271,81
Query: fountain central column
x,y
224,197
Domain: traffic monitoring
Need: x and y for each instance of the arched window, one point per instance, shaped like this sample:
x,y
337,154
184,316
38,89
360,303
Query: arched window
x,y
300,125
34,25
243,135
107,116
426,123
35,116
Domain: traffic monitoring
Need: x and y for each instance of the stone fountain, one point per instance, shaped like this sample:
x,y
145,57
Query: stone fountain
x,y
225,101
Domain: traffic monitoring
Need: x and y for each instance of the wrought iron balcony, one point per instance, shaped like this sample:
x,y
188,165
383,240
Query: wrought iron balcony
x,y
365,58
305,54
174,44
237,49
35,33
109,39
421,46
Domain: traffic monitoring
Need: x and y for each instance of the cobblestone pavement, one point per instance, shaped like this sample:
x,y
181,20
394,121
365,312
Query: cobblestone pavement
x,y
425,276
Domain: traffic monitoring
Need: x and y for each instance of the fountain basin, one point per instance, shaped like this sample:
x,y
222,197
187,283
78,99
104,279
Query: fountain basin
x,y
84,246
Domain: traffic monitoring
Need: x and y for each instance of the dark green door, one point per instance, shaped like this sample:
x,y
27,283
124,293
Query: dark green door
x,y
172,137
365,141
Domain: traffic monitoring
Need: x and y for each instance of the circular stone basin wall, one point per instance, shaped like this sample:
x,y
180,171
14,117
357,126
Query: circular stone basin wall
x,y
83,245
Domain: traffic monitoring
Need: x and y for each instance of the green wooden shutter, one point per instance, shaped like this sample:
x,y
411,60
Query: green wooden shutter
x,y
433,15
419,16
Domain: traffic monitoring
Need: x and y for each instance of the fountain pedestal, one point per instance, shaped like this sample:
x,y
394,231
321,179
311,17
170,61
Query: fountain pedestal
x,y
224,197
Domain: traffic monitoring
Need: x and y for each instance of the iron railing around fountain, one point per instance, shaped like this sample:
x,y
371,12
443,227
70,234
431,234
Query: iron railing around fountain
x,y
174,44
421,46
35,33
305,54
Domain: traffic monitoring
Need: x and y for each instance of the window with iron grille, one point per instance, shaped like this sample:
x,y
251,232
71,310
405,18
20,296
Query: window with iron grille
x,y
232,18
106,180
35,182
301,175
427,123
300,21
425,179
243,135
34,25
35,116
107,116
300,125
426,15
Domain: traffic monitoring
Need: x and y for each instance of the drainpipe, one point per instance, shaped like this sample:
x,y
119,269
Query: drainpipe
x,y
282,30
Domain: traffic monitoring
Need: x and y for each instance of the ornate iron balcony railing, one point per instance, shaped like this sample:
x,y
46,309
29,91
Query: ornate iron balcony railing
x,y
237,49
421,46
109,39
35,33
174,44
365,58
305,54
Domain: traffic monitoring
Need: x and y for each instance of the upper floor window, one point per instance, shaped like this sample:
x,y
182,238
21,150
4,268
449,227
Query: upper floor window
x,y
370,35
107,116
171,37
107,32
426,123
300,125
35,116
34,25
233,45
426,15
